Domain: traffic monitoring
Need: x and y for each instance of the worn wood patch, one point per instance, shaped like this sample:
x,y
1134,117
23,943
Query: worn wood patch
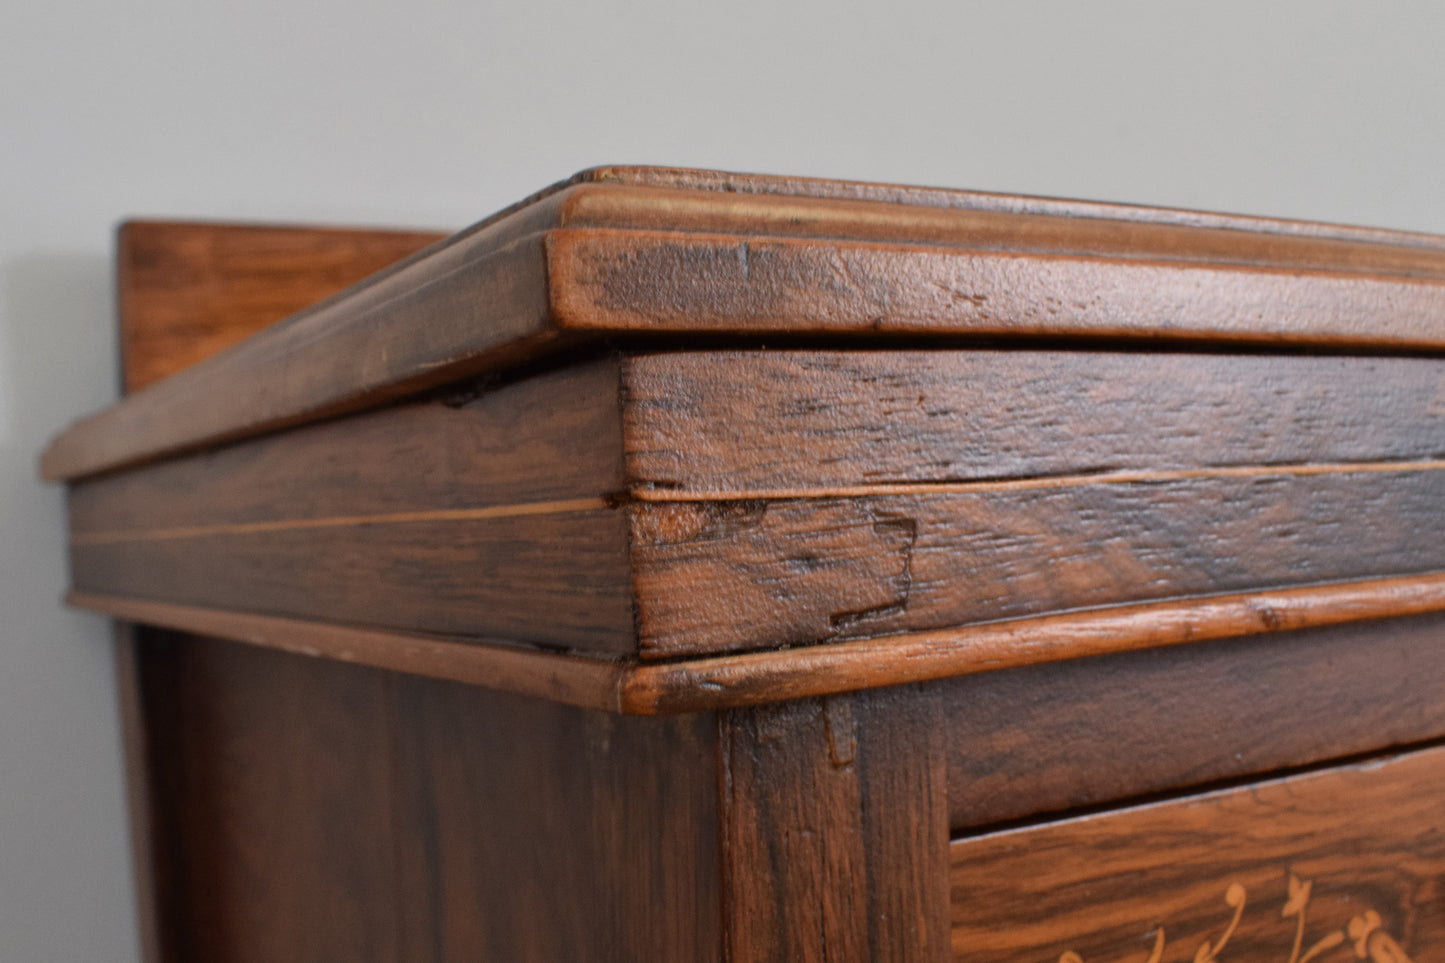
x,y
727,576
660,282
767,423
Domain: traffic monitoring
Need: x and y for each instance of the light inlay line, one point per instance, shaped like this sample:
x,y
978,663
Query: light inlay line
x,y
1141,477
644,494
292,524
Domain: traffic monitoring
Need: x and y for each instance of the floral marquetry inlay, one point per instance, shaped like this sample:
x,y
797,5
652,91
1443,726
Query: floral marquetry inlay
x,y
1364,934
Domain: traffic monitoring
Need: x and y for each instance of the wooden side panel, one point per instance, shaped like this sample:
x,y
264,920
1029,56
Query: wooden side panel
x,y
754,423
145,832
533,833
831,495
1096,731
550,438
272,782
483,517
719,576
189,290
836,829
323,813
1334,865
483,579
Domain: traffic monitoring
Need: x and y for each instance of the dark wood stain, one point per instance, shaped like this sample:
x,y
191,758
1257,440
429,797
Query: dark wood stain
x,y
1092,732
554,437
807,571
554,579
741,421
669,282
362,520
1355,851
534,832
836,829
313,811
612,253
892,593
271,777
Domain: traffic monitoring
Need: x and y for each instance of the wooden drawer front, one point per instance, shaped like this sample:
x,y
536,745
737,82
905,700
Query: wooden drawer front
x,y
1345,864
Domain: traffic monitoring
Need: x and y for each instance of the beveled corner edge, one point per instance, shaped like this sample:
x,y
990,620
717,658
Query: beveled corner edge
x,y
755,678
562,268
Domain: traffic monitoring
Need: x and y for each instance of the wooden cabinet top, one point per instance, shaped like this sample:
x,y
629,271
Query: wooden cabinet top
x,y
677,256
658,440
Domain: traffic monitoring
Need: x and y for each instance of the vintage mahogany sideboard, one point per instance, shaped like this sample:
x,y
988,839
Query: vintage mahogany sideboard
x,y
692,566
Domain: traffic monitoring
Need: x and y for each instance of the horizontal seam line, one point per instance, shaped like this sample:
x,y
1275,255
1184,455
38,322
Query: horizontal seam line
x,y
675,495
1031,484
281,525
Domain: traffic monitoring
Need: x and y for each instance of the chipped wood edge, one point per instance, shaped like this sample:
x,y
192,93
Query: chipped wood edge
x,y
695,685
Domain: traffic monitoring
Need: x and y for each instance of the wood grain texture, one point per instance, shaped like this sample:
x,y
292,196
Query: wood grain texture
x,y
190,290
699,685
836,830
735,186
475,302
532,832
1092,732
637,252
325,813
145,831
804,571
570,680
748,424
758,677
486,517
1350,858
556,579
766,215
668,282
551,438
273,783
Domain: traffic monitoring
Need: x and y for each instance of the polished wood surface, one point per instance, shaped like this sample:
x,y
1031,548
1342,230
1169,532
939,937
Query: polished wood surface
x,y
190,290
918,514
803,572
587,260
748,425
145,831
535,832
694,685
484,517
836,829
693,504
592,682
665,282
1349,857
1035,742
314,811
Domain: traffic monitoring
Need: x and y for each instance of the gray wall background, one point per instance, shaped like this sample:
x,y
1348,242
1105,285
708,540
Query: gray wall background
x,y
435,114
